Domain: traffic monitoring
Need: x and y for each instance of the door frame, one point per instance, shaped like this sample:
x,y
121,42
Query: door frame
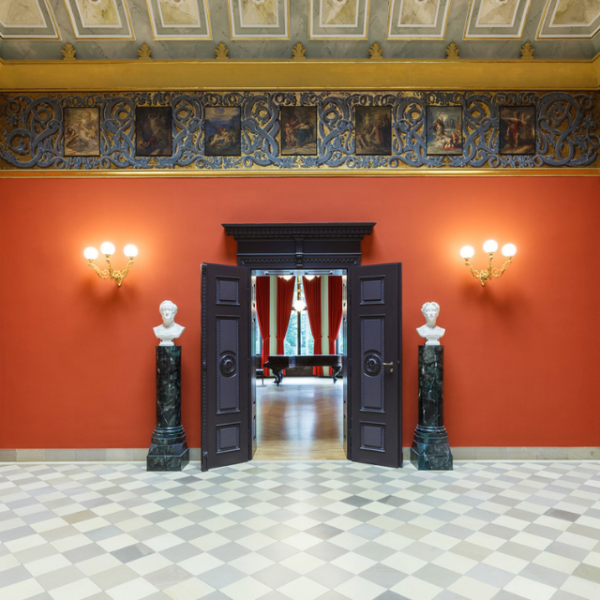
x,y
280,246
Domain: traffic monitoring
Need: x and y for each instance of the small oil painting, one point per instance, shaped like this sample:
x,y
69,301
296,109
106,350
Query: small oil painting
x,y
153,131
373,130
517,130
222,131
444,130
82,131
299,130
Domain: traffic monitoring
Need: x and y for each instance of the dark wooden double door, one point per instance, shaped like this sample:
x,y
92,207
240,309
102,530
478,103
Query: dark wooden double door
x,y
372,367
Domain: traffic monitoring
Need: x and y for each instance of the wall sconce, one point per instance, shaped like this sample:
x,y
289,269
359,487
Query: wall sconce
x,y
108,250
508,250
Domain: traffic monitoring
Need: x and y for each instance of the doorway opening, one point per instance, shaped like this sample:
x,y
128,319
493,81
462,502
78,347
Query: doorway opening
x,y
299,342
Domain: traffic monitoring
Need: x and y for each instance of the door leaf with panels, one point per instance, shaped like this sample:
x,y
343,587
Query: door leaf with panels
x,y
226,372
375,377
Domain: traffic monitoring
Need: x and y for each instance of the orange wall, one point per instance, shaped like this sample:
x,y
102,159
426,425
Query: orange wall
x,y
77,354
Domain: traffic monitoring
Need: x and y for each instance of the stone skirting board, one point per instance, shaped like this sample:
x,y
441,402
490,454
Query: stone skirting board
x,y
460,453
33,129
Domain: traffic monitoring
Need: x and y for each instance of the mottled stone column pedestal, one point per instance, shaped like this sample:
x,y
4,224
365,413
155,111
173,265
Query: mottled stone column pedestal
x,y
168,450
430,450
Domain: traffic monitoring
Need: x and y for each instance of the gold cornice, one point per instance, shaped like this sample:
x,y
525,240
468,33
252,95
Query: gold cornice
x,y
192,173
311,74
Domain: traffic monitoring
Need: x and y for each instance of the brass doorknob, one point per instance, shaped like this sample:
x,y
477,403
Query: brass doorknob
x,y
390,364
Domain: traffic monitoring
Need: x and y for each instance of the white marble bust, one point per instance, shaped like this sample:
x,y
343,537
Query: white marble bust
x,y
169,330
430,331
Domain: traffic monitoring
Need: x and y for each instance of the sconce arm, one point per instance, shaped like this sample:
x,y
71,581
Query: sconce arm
x,y
498,272
102,274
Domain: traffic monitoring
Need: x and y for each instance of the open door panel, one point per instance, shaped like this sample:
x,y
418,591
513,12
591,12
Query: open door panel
x,y
226,362
375,378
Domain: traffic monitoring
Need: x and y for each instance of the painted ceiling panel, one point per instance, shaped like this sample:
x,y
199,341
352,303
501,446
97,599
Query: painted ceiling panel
x,y
496,19
97,19
339,19
31,19
570,19
418,18
259,19
328,29
179,19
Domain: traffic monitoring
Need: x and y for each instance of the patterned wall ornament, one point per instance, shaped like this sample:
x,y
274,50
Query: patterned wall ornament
x,y
338,19
100,19
179,19
570,19
496,19
27,19
418,19
32,131
259,19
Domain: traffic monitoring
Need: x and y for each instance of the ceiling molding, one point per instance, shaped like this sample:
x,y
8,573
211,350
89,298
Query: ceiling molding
x,y
307,75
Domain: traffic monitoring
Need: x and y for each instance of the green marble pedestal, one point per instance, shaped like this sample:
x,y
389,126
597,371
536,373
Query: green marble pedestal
x,y
430,450
168,449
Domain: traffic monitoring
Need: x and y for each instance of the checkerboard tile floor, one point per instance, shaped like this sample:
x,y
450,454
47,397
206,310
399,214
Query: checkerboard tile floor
x,y
300,531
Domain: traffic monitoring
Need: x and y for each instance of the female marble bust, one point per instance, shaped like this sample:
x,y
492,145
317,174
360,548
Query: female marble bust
x,y
430,331
169,330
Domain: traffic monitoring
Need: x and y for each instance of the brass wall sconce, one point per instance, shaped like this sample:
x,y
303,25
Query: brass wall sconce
x,y
508,250
108,250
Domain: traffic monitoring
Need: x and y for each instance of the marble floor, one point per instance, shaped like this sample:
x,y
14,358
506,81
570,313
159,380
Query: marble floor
x,y
300,531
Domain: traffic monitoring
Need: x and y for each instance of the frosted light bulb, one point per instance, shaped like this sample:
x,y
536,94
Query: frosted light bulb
x,y
107,248
130,251
490,246
467,252
299,305
309,277
509,250
91,253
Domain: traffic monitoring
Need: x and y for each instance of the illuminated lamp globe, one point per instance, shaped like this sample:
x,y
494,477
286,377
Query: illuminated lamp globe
x,y
490,246
91,253
509,250
467,252
130,251
107,248
309,277
299,305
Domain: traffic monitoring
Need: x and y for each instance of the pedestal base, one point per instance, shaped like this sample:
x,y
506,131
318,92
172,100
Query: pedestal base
x,y
430,450
173,457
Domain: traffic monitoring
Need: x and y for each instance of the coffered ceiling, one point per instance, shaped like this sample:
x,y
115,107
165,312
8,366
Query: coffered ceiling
x,y
268,29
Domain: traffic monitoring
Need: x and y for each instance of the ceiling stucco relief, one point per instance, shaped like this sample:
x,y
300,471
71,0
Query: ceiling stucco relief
x,y
570,18
339,19
98,19
418,18
259,19
24,13
179,19
496,19
27,19
98,13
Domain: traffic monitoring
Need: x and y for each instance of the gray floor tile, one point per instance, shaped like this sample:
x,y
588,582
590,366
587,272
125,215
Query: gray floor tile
x,y
167,577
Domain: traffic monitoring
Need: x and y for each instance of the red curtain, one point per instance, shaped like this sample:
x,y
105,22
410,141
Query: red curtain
x,y
312,294
263,312
335,310
285,297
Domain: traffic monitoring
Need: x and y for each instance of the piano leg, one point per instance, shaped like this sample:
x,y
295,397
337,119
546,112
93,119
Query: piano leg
x,y
336,372
278,375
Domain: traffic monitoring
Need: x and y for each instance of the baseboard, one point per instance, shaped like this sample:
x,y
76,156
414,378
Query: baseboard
x,y
459,453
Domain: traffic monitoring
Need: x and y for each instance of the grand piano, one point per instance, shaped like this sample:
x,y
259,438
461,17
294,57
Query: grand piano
x,y
278,362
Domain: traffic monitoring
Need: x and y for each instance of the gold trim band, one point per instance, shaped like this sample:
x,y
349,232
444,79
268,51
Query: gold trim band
x,y
308,75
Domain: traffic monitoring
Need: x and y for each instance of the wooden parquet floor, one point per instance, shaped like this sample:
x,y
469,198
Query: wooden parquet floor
x,y
300,420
